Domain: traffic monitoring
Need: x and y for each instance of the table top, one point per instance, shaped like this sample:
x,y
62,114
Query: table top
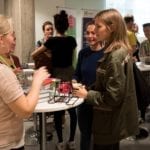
x,y
44,105
142,66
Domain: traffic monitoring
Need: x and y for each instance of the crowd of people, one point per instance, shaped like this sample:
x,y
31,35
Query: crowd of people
x,y
104,70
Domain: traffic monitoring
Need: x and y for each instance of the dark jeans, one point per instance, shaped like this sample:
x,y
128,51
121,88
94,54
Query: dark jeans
x,y
21,148
85,117
106,147
58,123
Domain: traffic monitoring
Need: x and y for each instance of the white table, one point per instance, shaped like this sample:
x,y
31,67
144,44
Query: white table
x,y
145,69
43,106
142,66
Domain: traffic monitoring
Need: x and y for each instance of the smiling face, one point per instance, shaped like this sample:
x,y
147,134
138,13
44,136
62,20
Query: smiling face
x,y
146,31
8,42
7,36
48,31
90,35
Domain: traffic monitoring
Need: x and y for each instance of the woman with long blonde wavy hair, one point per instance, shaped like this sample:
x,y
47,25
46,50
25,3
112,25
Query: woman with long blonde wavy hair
x,y
113,94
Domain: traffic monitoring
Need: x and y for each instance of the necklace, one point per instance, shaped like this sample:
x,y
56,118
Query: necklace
x,y
8,61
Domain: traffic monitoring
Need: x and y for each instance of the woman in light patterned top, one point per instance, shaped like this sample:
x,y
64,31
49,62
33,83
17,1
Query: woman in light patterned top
x,y
14,105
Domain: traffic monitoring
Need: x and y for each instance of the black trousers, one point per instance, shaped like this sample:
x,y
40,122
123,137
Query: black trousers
x,y
85,117
106,147
58,124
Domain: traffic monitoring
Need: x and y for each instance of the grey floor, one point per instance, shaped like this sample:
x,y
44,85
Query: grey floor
x,y
31,142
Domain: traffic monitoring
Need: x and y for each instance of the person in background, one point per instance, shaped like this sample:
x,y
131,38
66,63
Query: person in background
x,y
61,48
144,54
145,45
135,29
44,59
85,73
129,20
131,30
14,105
48,31
115,113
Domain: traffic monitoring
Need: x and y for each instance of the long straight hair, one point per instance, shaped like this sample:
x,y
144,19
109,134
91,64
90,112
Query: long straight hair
x,y
115,23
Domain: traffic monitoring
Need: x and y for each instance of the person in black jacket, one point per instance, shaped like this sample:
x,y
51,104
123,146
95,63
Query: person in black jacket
x,y
61,48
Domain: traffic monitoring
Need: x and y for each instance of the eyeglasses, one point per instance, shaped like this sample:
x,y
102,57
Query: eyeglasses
x,y
9,31
5,33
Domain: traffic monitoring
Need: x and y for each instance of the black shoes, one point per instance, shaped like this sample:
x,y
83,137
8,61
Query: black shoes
x,y
143,133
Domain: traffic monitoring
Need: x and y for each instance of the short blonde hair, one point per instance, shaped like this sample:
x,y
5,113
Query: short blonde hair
x,y
5,25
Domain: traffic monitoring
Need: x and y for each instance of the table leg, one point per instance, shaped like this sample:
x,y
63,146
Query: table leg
x,y
35,122
43,132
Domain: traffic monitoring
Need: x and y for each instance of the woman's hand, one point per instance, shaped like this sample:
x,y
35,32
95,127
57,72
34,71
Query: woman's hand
x,y
80,92
37,51
40,75
17,70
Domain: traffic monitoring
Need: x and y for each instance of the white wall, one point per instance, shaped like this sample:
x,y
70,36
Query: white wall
x,y
1,6
139,9
45,9
79,5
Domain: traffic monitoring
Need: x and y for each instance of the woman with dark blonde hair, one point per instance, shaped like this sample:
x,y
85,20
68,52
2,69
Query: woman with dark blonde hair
x,y
113,94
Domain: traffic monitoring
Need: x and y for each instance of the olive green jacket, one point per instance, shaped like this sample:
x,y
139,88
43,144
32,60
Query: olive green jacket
x,y
114,99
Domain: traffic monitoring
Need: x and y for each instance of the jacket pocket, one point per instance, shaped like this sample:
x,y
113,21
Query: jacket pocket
x,y
100,78
102,122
